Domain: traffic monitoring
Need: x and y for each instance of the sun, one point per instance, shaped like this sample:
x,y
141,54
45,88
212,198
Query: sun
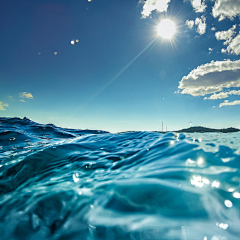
x,y
166,28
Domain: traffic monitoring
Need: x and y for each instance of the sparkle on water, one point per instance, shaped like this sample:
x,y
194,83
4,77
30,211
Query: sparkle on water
x,y
58,183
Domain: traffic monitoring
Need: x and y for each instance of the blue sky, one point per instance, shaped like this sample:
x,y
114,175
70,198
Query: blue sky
x,y
100,64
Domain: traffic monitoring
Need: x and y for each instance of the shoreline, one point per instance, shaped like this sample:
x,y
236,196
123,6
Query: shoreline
x,y
198,129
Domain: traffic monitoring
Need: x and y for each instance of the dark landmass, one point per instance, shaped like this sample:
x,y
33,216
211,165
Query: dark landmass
x,y
204,129
200,130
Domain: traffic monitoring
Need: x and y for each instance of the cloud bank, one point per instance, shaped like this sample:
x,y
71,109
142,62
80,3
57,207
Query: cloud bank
x,y
211,78
3,105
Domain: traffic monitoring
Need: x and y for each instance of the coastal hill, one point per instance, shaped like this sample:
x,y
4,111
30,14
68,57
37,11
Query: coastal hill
x,y
199,129
204,129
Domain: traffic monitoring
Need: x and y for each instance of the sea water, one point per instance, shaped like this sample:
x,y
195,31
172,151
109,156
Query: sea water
x,y
68,184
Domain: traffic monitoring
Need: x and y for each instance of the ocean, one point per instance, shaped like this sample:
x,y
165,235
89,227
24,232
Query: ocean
x,y
67,184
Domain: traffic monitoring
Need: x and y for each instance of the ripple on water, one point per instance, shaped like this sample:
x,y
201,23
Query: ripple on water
x,y
58,183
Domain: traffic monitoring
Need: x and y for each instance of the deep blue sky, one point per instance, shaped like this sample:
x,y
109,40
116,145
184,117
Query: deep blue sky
x,y
98,83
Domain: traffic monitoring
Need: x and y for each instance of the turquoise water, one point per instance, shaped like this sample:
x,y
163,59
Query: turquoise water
x,y
71,184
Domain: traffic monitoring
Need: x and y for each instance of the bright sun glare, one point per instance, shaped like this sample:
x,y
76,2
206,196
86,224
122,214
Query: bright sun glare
x,y
166,28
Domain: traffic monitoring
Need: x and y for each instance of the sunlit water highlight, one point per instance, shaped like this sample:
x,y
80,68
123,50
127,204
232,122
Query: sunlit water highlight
x,y
70,184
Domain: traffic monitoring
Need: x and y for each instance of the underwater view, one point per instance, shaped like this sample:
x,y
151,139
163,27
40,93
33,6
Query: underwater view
x,y
59,183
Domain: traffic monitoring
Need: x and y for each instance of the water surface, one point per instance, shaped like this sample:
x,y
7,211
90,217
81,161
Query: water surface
x,y
58,183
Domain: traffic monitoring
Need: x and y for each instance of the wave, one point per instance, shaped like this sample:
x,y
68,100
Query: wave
x,y
58,183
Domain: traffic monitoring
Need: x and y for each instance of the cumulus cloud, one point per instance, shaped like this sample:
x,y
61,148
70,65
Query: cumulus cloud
x,y
3,105
222,95
223,9
217,96
234,45
211,78
26,95
201,23
190,23
198,5
151,5
226,9
227,103
213,29
226,35
232,42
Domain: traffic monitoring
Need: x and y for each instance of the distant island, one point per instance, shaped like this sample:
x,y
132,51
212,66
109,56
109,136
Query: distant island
x,y
204,129
199,129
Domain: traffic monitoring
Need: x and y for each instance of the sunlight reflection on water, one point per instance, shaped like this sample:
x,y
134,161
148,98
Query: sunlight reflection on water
x,y
97,185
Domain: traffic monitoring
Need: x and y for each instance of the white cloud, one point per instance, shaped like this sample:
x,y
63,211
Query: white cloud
x,y
226,9
22,100
223,50
211,78
217,96
227,103
234,45
213,29
222,8
234,92
3,105
26,95
222,95
226,35
201,23
151,5
190,23
232,42
210,50
198,5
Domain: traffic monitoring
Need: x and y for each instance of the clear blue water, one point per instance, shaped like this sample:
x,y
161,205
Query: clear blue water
x,y
71,184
